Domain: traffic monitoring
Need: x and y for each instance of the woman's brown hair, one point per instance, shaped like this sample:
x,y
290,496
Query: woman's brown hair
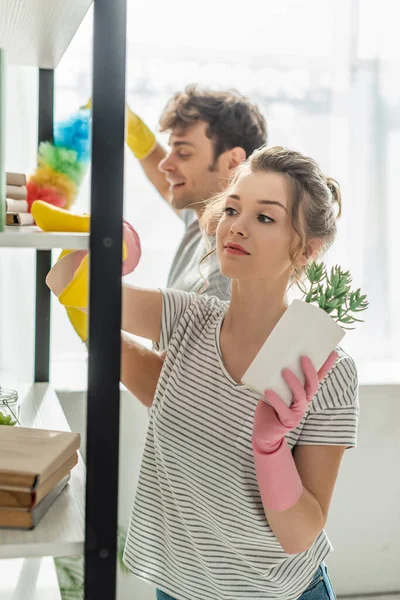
x,y
316,199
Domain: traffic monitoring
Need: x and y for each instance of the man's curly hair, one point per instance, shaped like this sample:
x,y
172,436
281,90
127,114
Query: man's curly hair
x,y
233,120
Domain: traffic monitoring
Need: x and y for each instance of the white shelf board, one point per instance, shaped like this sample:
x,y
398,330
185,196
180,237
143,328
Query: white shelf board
x,y
37,32
26,236
29,578
61,531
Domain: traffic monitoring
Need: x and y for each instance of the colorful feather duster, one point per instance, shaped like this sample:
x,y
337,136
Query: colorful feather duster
x,y
62,165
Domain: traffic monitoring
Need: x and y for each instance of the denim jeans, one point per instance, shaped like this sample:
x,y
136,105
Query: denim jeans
x,y
320,588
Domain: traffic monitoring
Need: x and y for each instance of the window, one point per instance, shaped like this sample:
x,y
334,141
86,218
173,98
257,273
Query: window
x,y
326,76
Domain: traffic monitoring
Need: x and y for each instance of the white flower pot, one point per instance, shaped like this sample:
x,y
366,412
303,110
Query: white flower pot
x,y
304,330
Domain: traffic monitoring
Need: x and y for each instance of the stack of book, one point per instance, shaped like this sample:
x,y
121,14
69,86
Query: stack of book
x,y
16,200
35,467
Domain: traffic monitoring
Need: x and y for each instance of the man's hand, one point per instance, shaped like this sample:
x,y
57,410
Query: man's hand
x,y
139,138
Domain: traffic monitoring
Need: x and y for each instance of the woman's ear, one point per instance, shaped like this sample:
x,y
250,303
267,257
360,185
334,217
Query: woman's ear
x,y
312,251
236,156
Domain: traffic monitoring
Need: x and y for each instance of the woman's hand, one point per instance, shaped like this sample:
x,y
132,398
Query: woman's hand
x,y
69,277
273,419
132,250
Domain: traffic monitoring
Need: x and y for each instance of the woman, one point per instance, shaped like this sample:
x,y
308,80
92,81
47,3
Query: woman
x,y
234,490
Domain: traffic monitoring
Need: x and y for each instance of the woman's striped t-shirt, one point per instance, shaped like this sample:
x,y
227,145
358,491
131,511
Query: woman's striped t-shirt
x,y
198,530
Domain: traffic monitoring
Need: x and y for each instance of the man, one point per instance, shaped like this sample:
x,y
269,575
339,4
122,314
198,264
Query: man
x,y
211,133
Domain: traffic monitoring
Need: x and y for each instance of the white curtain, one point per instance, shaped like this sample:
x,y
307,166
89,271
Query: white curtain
x,y
326,76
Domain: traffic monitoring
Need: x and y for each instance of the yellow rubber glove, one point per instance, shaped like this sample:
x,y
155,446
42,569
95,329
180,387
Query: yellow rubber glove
x,y
79,321
69,278
76,292
87,106
139,138
52,218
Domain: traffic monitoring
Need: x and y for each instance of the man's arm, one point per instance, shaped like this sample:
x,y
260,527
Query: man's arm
x,y
144,146
140,369
150,164
142,142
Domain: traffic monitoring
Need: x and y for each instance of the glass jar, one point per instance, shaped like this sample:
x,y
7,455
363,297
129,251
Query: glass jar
x,y
9,407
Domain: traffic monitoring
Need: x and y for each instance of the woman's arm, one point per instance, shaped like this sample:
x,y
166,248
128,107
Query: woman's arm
x,y
140,369
141,312
297,527
296,489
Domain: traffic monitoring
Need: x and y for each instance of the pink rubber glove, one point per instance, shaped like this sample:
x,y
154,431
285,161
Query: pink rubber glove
x,y
63,272
132,241
277,476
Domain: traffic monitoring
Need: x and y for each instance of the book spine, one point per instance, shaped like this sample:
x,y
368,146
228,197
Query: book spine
x,y
10,500
22,518
2,138
16,206
18,179
16,192
25,219
19,219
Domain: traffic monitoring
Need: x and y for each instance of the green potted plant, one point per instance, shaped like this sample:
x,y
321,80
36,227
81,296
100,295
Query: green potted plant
x,y
313,327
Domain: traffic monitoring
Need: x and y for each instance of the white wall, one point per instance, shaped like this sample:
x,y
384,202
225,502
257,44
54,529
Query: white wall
x,y
364,522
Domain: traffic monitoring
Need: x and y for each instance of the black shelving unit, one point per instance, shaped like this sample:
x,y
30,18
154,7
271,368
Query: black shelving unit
x,y
43,257
108,125
108,128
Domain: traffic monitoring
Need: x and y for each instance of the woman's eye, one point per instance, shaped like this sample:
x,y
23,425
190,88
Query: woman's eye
x,y
183,155
265,219
230,211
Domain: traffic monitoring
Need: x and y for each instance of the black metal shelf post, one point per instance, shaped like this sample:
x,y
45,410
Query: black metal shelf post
x,y
102,450
43,257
